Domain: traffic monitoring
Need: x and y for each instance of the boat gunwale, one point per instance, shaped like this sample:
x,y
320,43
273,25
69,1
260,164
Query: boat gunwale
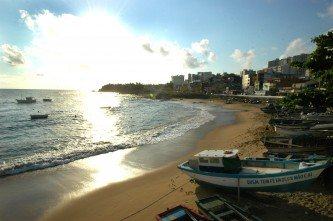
x,y
266,175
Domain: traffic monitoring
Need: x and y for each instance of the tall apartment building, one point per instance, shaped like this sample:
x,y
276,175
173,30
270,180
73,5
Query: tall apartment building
x,y
205,76
193,78
247,78
177,80
283,66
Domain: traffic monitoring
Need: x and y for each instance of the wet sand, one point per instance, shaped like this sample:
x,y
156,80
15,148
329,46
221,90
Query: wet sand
x,y
168,187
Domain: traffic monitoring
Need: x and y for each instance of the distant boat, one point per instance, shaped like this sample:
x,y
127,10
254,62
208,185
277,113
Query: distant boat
x,y
47,99
224,169
180,213
27,100
219,209
38,116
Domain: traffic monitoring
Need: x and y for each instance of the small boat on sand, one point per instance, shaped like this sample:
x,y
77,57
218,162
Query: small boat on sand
x,y
38,116
27,100
223,168
321,117
47,100
306,144
180,213
219,209
270,109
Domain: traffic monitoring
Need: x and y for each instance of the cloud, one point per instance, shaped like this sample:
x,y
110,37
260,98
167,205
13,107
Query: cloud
x,y
211,56
295,47
328,13
191,61
198,55
274,48
201,46
29,21
93,49
245,58
163,51
147,47
12,55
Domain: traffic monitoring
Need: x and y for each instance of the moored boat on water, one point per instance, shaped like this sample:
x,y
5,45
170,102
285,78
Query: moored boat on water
x,y
224,169
27,100
38,116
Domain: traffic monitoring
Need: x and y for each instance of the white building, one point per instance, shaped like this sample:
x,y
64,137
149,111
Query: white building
x,y
247,78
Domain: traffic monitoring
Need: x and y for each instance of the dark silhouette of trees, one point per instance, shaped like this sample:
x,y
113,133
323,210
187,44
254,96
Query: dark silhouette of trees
x,y
320,64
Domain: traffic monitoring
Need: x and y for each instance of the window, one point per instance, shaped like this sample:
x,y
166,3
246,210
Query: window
x,y
214,160
203,160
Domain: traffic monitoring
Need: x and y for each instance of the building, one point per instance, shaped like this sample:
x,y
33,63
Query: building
x,y
177,81
284,66
247,78
205,76
193,78
269,86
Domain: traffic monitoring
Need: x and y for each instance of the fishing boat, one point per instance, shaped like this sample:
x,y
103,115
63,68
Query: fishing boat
x,y
291,122
219,209
47,99
223,168
38,116
322,129
180,213
321,117
228,101
304,129
308,143
27,100
270,109
291,157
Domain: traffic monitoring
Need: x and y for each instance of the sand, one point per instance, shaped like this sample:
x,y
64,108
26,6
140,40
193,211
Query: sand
x,y
168,187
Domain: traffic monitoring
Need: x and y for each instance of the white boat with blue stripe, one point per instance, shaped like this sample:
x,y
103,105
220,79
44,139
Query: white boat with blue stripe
x,y
223,168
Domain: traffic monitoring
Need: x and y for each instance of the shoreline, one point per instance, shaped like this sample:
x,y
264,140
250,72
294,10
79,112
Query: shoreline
x,y
129,196
28,196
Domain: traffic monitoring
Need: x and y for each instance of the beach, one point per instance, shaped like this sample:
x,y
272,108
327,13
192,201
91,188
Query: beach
x,y
143,197
138,183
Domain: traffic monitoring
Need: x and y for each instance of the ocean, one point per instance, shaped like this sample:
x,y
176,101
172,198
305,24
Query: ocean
x,y
84,124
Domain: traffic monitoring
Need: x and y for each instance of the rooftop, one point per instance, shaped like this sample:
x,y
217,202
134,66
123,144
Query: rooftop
x,y
217,153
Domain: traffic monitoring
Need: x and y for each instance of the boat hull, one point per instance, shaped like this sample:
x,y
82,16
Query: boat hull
x,y
287,181
25,101
42,116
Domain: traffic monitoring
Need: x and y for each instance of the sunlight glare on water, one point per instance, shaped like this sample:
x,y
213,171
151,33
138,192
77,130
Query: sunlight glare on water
x,y
103,126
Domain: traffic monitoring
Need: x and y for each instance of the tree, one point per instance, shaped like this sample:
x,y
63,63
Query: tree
x,y
320,61
320,64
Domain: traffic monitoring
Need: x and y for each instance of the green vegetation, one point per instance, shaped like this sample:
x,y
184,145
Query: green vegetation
x,y
160,91
320,64
132,88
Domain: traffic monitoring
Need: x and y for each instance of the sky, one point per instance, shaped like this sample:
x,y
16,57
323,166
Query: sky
x,y
84,44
